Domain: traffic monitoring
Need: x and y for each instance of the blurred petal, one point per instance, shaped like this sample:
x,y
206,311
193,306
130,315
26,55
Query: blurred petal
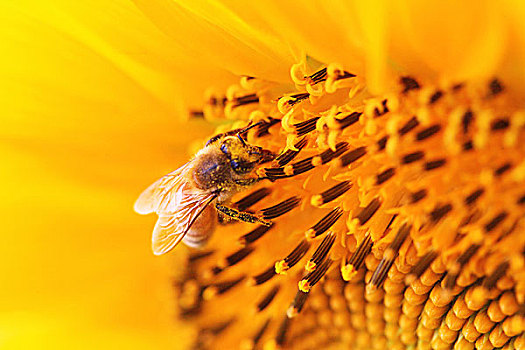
x,y
513,64
449,37
89,117
218,34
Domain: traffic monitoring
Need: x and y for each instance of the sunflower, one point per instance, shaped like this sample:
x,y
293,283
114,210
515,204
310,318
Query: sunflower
x,y
397,196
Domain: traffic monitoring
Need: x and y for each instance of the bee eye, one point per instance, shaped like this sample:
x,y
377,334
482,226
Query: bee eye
x,y
235,165
224,149
240,166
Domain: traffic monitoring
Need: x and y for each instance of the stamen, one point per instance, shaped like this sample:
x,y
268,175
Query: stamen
x,y
458,86
213,330
435,97
245,100
282,332
490,281
297,304
500,124
439,212
468,117
216,270
254,235
301,166
453,272
385,110
369,211
321,252
390,254
293,258
331,194
434,164
428,132
194,257
306,164
251,199
264,127
412,157
350,119
495,87
421,266
305,127
502,169
521,200
498,219
263,277
267,299
306,284
257,337
358,257
287,156
197,114
275,173
419,195
294,99
281,208
317,77
468,145
217,101
351,156
385,176
328,155
409,126
220,288
381,144
344,75
324,224
409,84
236,257
473,197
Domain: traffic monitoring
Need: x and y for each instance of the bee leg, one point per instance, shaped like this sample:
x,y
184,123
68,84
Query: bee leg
x,y
241,215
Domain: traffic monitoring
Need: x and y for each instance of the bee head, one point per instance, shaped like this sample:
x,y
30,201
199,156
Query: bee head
x,y
243,157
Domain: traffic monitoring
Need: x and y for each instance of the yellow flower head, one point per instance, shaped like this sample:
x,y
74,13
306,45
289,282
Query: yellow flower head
x,y
395,200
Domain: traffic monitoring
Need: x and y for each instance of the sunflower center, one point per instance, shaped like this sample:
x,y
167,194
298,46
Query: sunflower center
x,y
397,219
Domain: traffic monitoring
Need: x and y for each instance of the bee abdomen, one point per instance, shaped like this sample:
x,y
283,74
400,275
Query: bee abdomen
x,y
202,228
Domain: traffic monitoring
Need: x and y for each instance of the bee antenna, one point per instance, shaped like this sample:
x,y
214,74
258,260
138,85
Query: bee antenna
x,y
242,140
245,129
250,126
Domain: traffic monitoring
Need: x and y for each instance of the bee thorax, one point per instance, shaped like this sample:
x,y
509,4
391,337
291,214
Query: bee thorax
x,y
211,171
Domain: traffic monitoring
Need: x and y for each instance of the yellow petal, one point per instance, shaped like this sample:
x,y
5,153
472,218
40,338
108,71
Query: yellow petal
x,y
88,120
448,39
213,32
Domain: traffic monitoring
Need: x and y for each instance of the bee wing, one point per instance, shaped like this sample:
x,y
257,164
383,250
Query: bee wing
x,y
171,228
163,193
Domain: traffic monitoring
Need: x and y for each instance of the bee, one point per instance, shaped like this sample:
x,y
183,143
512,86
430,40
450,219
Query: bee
x,y
182,199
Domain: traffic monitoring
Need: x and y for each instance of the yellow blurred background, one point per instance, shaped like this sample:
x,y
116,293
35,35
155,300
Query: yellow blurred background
x,y
91,96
